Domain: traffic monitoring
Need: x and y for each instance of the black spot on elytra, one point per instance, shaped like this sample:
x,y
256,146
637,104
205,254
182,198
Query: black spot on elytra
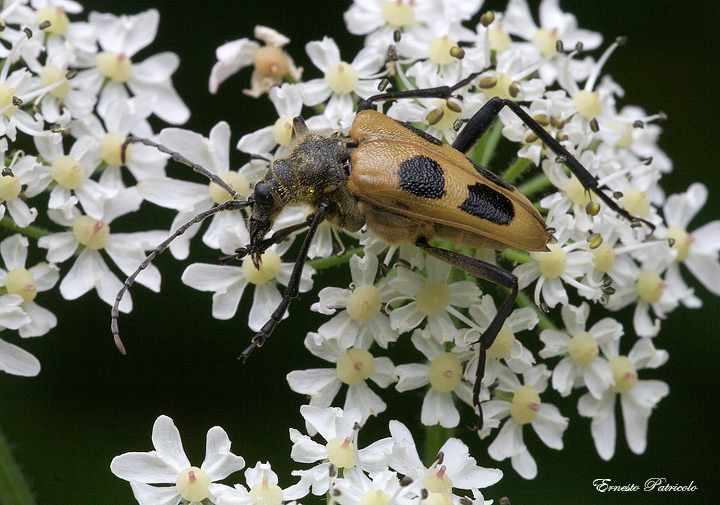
x,y
420,133
422,176
486,203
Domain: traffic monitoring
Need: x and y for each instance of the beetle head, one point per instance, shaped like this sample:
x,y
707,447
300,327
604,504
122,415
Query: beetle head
x,y
309,174
266,206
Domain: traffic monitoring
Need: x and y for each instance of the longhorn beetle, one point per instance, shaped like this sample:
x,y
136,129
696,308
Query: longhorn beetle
x,y
405,186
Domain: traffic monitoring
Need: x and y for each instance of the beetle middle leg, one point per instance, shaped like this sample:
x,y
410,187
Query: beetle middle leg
x,y
293,286
491,273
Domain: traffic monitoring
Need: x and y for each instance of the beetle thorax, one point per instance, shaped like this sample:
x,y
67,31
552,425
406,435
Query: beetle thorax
x,y
312,171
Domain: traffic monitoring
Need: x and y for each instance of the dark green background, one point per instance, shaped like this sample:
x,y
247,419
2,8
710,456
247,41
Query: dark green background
x,y
90,404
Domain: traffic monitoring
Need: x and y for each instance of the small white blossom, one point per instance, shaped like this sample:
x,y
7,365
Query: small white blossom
x,y
120,38
353,367
89,271
443,373
228,283
362,318
580,364
341,79
271,63
698,249
430,298
457,469
167,464
523,408
637,398
27,282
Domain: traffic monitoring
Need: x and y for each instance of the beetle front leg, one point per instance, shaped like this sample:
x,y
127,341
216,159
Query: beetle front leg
x,y
491,273
293,286
276,238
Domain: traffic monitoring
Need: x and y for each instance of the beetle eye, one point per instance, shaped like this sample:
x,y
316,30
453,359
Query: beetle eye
x,y
262,194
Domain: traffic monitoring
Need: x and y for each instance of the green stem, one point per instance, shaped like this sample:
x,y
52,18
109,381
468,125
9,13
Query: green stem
x,y
28,231
435,437
523,300
515,255
517,168
484,150
332,261
13,488
535,185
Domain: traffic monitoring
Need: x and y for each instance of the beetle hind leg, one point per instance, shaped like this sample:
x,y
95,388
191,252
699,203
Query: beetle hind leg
x,y
484,117
491,273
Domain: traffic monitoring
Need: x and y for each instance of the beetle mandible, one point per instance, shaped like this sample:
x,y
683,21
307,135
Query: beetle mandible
x,y
405,186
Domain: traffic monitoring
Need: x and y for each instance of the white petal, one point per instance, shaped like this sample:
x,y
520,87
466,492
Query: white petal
x,y
643,323
368,61
332,422
82,275
429,347
60,246
603,427
17,361
706,269
305,449
219,461
146,467
341,328
42,321
107,284
438,408
524,318
363,398
384,372
166,440
680,209
406,318
524,464
258,142
411,376
331,298
46,275
155,495
12,315
310,382
125,34
127,253
232,56
598,377
563,377
315,91
550,425
508,442
405,455
14,251
323,53
21,213
363,269
267,299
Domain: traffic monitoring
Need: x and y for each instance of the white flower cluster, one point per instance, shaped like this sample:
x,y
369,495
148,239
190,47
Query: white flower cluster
x,y
386,471
73,90
599,260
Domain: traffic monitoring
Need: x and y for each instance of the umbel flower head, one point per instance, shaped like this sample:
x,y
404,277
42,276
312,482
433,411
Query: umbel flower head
x,y
409,310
